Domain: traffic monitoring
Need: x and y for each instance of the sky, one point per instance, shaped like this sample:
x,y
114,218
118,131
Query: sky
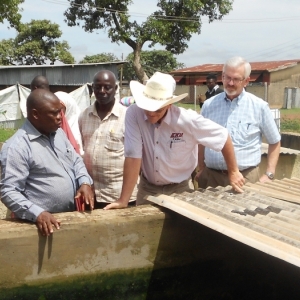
x,y
258,30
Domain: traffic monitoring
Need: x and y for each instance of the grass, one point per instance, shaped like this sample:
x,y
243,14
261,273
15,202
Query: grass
x,y
6,134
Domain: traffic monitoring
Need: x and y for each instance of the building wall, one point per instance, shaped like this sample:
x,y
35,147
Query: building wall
x,y
65,75
280,79
257,90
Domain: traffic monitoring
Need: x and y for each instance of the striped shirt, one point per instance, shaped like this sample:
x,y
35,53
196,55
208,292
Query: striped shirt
x,y
103,145
246,118
40,173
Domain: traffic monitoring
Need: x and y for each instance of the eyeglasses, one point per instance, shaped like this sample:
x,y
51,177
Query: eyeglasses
x,y
234,80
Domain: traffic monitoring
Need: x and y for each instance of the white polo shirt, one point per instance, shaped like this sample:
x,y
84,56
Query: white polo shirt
x,y
169,150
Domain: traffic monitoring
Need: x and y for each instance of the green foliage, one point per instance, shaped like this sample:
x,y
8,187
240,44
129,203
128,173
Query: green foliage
x,y
35,43
5,134
171,25
288,125
98,58
7,52
9,10
152,61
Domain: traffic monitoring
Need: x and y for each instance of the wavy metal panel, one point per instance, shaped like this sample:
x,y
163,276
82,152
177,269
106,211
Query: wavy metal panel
x,y
264,217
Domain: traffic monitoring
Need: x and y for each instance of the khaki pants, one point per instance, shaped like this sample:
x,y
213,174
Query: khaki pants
x,y
145,188
214,178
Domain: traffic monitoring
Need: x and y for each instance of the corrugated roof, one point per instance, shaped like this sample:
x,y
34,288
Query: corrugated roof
x,y
258,217
61,65
264,150
268,66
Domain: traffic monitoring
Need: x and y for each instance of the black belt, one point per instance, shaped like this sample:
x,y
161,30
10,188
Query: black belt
x,y
163,185
226,171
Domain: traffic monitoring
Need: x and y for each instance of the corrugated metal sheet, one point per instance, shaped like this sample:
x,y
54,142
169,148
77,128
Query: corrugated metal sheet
x,y
269,66
77,74
12,124
264,150
269,224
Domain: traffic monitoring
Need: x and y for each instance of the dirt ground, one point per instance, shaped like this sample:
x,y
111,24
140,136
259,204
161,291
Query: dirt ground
x,y
289,115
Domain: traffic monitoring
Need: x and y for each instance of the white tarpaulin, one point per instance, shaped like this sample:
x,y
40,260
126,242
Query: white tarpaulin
x,y
82,97
13,101
23,94
9,104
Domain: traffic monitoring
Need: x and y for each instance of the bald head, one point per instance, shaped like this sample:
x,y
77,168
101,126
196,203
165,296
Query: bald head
x,y
39,82
37,99
105,75
44,111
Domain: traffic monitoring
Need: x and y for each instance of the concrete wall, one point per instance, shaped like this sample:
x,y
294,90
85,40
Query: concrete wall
x,y
288,166
133,254
278,81
97,243
290,140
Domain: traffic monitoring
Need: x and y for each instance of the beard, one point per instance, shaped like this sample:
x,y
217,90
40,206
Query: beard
x,y
231,92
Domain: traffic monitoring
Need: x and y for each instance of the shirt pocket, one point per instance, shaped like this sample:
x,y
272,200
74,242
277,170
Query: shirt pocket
x,y
114,142
177,150
246,131
68,155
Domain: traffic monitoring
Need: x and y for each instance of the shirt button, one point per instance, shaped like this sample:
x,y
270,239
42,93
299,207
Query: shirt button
x,y
157,142
156,171
156,157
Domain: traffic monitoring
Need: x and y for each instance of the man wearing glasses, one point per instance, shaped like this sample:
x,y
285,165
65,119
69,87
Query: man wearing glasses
x,y
246,118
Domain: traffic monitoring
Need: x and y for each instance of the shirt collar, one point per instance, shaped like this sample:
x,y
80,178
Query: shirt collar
x,y
32,132
238,98
115,110
166,119
213,89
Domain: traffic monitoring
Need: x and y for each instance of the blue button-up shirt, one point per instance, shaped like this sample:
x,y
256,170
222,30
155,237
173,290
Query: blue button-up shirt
x,y
40,173
246,118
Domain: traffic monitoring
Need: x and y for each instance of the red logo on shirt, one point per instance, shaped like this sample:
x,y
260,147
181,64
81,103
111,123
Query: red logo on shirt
x,y
176,135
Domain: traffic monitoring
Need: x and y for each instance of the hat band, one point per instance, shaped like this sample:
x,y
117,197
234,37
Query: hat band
x,y
155,98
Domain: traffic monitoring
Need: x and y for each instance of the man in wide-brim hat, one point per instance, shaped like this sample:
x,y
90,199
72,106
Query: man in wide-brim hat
x,y
161,142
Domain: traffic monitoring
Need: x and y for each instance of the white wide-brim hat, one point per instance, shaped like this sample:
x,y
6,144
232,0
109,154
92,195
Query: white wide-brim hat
x,y
157,93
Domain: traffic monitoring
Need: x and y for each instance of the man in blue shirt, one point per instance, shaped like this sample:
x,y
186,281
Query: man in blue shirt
x,y
41,172
246,118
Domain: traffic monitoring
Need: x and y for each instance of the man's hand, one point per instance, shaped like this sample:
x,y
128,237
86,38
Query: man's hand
x,y
199,172
44,223
237,181
87,193
264,178
116,204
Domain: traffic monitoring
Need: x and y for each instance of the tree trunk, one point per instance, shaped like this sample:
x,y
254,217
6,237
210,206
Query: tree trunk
x,y
139,71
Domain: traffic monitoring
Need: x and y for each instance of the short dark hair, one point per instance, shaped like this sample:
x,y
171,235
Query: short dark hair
x,y
211,76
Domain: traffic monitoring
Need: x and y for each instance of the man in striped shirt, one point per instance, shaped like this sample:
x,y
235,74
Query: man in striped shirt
x,y
41,172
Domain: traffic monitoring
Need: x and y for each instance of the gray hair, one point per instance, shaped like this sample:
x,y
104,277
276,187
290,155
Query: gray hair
x,y
238,61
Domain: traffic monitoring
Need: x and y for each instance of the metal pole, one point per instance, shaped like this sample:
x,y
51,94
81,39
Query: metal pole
x,y
195,96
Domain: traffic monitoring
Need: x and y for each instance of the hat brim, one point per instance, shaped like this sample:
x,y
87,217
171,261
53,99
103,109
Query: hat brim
x,y
142,101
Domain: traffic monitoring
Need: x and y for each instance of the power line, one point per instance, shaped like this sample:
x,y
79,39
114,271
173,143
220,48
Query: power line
x,y
271,51
178,18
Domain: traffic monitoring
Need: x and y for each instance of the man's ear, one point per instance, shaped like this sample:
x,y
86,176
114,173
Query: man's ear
x,y
247,81
35,113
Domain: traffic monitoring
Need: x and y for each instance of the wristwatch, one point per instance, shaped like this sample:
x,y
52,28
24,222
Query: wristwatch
x,y
270,175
